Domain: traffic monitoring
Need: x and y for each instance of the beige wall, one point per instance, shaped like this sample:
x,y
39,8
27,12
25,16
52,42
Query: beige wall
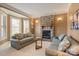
x,y
0,22
8,27
32,25
73,33
38,30
21,25
61,25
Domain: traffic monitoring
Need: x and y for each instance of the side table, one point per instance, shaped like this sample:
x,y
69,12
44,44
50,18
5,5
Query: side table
x,y
38,40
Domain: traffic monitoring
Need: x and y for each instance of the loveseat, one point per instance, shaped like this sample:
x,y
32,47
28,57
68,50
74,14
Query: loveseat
x,y
71,50
20,40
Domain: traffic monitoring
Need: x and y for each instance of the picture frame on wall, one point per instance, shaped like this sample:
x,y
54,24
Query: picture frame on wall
x,y
75,20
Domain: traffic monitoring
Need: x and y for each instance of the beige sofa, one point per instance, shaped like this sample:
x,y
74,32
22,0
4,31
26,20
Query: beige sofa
x,y
52,49
20,40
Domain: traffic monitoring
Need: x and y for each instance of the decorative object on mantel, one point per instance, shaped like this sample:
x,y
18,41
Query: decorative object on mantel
x,y
75,20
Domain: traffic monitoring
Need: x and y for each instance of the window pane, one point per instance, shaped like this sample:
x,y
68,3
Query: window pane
x,y
15,25
3,26
26,25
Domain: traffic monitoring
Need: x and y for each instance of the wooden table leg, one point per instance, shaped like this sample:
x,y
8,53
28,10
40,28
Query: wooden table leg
x,y
37,46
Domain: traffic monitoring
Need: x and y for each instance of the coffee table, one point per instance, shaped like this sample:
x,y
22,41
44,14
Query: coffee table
x,y
38,40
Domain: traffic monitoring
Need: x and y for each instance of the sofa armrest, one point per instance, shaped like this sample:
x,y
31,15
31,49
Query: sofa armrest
x,y
15,43
52,52
61,53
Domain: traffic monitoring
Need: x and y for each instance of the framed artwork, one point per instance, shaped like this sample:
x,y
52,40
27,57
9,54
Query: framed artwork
x,y
75,20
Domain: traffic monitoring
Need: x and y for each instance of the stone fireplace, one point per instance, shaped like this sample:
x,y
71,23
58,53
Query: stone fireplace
x,y
46,23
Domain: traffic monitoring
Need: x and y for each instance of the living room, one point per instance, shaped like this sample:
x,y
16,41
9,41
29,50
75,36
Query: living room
x,y
29,29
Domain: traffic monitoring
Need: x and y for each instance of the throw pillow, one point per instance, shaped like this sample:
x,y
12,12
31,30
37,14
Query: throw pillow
x,y
13,37
29,34
19,36
61,37
55,40
64,44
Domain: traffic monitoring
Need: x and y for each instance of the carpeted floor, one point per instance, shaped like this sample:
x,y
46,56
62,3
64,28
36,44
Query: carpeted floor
x,y
7,50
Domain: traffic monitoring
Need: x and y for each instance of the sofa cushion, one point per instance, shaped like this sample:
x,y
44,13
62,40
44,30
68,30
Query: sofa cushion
x,y
61,37
53,46
72,41
50,52
64,44
55,40
19,36
27,35
25,40
54,52
60,53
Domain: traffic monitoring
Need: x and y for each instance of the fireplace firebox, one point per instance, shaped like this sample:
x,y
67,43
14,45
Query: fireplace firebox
x,y
46,34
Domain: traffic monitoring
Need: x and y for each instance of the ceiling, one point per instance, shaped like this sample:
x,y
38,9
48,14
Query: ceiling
x,y
41,9
9,12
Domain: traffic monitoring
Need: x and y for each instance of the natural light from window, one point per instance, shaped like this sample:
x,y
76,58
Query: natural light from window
x,y
2,25
26,25
15,25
